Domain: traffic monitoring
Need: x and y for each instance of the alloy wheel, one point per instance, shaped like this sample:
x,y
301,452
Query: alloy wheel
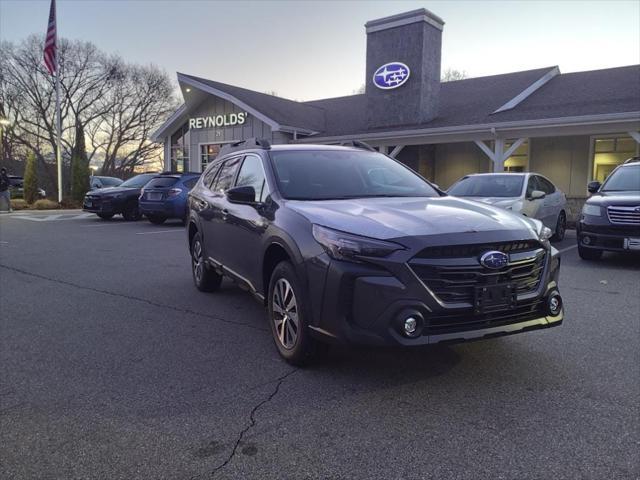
x,y
285,313
198,261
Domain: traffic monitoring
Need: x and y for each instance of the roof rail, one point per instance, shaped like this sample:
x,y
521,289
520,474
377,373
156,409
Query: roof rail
x,y
244,144
632,159
359,144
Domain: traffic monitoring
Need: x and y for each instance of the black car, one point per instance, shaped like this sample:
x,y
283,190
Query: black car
x,y
610,219
123,199
344,244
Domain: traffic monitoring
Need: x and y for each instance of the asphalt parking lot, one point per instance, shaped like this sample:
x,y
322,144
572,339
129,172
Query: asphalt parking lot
x,y
112,365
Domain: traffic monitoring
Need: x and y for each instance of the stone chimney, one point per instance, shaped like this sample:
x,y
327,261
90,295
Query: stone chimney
x,y
413,39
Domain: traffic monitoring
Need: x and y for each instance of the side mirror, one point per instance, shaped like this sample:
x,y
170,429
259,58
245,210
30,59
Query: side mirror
x,y
593,187
537,194
98,186
245,194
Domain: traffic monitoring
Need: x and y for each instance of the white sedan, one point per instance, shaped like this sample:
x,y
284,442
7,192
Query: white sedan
x,y
530,194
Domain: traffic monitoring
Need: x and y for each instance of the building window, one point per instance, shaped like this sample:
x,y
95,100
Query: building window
x,y
609,152
519,159
207,154
180,149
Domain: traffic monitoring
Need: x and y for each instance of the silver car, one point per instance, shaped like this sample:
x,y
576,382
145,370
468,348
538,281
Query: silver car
x,y
530,194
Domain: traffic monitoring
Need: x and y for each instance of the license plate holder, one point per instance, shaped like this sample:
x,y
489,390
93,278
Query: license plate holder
x,y
632,243
489,296
154,196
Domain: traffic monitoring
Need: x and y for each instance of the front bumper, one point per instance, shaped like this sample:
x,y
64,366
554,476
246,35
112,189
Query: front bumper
x,y
604,236
365,304
101,206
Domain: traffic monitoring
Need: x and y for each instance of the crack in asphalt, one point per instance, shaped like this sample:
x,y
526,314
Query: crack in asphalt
x,y
252,420
187,311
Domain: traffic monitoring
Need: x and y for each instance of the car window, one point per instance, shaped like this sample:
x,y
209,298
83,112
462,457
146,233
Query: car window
x,y
209,174
532,185
191,183
252,175
623,179
138,181
499,185
109,181
224,180
545,185
161,182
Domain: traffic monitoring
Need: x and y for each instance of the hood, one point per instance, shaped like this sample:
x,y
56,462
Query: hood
x,y
101,192
630,197
387,218
497,201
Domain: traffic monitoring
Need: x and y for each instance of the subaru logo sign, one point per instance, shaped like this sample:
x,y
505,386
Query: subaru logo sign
x,y
494,259
391,75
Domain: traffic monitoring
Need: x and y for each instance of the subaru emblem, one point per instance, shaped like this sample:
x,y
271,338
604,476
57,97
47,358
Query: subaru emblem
x,y
391,75
494,259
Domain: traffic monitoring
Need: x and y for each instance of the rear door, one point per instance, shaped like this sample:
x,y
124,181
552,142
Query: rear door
x,y
532,207
552,204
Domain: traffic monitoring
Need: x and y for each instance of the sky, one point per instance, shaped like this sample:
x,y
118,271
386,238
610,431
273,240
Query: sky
x,y
306,50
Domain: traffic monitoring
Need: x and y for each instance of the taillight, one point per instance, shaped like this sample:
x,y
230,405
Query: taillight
x,y
174,192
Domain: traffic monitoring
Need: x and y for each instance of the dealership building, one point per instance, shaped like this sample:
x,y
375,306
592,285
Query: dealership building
x,y
571,127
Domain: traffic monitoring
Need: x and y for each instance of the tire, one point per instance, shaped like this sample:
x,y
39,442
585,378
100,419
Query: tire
x,y
156,219
288,314
204,278
105,216
589,253
561,227
132,212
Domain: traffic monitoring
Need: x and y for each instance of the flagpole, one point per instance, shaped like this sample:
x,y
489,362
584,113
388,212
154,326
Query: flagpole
x,y
58,128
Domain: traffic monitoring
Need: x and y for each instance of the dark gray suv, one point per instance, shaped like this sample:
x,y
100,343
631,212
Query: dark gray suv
x,y
344,244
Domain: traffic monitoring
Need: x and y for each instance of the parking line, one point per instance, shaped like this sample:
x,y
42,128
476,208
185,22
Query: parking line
x,y
160,231
107,224
568,248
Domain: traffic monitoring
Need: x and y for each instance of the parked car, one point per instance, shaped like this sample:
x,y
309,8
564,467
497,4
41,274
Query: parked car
x,y
344,244
96,182
165,196
16,188
530,194
123,199
610,219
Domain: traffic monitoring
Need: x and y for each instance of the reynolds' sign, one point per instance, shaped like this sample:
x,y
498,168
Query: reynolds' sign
x,y
226,120
391,75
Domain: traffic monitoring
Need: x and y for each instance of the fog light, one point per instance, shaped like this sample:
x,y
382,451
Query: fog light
x,y
410,326
586,240
554,304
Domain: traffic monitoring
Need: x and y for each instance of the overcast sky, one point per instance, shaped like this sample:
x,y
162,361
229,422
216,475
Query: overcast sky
x,y
307,50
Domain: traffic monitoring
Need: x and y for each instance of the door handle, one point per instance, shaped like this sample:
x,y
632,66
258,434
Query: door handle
x,y
225,213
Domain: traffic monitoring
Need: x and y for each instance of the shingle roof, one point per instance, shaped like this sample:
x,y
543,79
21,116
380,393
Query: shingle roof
x,y
282,110
465,102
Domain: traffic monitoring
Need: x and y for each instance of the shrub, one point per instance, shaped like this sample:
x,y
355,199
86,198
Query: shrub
x,y
79,166
45,204
19,204
31,179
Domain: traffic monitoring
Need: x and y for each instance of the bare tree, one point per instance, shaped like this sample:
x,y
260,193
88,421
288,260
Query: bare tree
x,y
451,74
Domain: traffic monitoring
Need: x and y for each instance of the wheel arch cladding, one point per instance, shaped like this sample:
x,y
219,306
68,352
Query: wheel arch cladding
x,y
273,255
192,232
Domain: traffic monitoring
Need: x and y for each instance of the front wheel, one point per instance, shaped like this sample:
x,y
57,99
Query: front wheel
x,y
156,219
561,227
205,279
589,253
132,212
288,317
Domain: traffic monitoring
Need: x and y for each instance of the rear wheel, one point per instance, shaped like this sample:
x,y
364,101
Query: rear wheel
x,y
288,317
205,279
561,227
156,219
131,212
589,253
105,216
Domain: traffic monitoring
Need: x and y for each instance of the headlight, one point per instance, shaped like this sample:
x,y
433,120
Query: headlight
x,y
345,246
590,209
545,234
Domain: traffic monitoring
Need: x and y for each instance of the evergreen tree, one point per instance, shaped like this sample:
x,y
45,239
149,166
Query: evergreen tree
x,y
31,179
79,166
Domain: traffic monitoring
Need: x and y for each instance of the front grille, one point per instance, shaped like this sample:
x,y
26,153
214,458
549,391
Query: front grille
x,y
624,215
454,280
439,324
453,251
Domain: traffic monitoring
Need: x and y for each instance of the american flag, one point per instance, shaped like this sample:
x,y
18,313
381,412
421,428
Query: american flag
x,y
50,44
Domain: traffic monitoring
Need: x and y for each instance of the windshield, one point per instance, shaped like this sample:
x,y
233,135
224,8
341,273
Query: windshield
x,y
488,186
138,181
110,181
623,179
340,174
